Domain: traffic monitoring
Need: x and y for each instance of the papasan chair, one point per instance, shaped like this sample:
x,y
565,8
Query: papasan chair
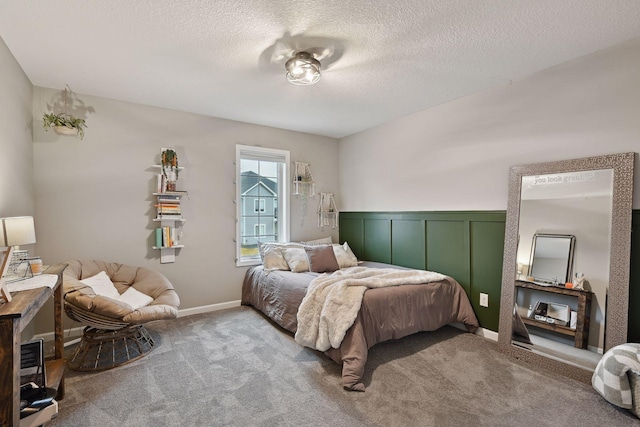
x,y
114,301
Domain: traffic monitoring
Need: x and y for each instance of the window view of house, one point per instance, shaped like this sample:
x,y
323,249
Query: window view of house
x,y
261,194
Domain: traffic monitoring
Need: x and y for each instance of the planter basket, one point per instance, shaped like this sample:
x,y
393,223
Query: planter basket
x,y
64,130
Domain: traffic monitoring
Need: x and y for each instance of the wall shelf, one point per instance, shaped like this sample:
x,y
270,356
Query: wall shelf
x,y
327,211
303,183
169,214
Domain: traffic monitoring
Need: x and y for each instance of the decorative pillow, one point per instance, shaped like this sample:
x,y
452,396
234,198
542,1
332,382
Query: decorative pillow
x,y
134,298
262,246
273,259
321,259
297,259
102,285
344,255
323,241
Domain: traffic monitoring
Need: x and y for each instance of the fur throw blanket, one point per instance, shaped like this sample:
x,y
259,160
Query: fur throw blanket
x,y
332,301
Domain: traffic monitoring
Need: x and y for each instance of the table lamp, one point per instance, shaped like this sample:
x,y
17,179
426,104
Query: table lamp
x,y
15,231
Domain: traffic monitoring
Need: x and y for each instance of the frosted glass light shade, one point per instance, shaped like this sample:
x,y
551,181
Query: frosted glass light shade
x,y
303,69
18,230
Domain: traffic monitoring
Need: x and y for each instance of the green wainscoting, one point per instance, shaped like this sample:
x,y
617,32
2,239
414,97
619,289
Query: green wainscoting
x,y
466,245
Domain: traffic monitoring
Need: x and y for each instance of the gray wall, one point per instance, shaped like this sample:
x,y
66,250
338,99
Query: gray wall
x,y
94,195
457,156
16,174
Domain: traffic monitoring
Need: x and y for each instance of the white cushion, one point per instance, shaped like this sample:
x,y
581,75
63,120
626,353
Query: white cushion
x,y
262,246
102,285
272,258
134,298
297,259
345,255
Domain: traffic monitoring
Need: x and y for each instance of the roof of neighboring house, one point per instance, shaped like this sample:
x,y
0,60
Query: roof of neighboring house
x,y
250,179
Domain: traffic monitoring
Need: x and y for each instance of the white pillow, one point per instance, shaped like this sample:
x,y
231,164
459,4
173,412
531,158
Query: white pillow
x,y
134,298
344,255
102,285
297,259
323,241
272,258
263,246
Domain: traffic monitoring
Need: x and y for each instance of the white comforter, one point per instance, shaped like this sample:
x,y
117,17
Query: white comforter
x,y
332,301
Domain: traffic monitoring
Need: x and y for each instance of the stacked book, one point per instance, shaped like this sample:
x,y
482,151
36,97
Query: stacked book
x,y
169,207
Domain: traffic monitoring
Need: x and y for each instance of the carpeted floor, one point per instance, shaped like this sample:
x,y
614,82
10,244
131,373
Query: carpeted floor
x,y
235,368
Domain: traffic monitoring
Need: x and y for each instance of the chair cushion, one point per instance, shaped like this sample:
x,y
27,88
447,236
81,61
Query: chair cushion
x,y
165,301
102,285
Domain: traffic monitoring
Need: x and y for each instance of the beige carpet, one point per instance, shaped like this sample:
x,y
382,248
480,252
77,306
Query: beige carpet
x,y
235,368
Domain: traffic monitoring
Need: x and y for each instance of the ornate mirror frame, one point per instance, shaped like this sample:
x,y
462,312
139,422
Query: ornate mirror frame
x,y
616,322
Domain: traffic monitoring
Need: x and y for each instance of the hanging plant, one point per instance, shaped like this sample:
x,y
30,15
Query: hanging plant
x,y
64,123
170,162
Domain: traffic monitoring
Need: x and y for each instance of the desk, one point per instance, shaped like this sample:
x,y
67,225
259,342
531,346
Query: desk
x,y
14,317
581,332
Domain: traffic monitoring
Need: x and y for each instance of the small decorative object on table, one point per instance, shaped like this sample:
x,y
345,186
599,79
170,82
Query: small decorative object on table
x,y
35,264
578,282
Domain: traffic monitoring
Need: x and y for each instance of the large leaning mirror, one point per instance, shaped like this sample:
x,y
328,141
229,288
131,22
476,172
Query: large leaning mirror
x,y
565,278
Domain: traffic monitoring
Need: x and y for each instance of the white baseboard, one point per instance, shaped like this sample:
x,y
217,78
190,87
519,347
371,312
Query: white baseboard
x,y
68,333
486,333
208,308
77,332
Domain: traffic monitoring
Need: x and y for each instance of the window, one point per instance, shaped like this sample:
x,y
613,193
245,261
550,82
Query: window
x,y
258,205
262,195
260,229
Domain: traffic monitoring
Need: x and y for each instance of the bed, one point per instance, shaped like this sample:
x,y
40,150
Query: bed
x,y
385,313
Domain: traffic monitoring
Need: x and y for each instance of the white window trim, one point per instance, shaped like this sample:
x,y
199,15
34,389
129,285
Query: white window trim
x,y
284,206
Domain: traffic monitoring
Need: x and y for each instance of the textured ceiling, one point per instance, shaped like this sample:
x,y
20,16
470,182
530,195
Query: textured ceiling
x,y
381,59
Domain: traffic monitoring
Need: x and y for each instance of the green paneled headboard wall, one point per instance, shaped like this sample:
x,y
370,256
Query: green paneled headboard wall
x,y
466,245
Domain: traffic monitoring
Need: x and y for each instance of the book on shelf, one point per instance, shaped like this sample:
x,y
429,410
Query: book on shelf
x,y
169,216
160,184
167,237
158,237
168,210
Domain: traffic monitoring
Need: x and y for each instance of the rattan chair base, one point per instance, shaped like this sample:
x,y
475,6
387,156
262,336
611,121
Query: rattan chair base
x,y
102,349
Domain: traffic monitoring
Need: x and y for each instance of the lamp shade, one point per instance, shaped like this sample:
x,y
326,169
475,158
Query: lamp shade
x,y
17,230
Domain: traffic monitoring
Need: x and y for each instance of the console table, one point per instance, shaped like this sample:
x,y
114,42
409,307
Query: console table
x,y
583,313
14,317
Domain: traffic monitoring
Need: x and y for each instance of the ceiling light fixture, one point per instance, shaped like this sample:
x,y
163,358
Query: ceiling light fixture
x,y
303,69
